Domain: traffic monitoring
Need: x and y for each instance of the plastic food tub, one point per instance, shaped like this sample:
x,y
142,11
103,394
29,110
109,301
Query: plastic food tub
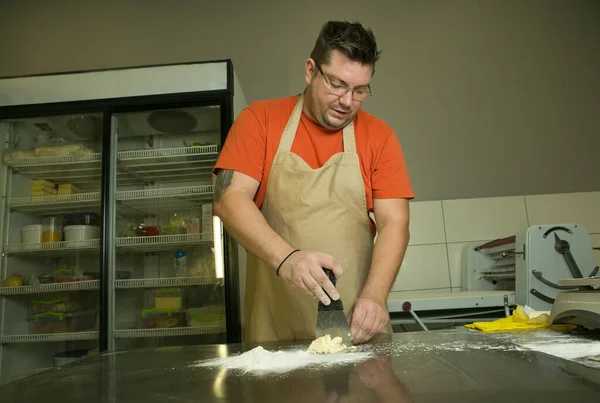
x,y
78,234
31,235
161,318
208,316
55,322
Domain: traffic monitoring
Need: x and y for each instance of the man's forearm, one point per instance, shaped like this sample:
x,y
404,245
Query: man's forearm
x,y
244,221
388,253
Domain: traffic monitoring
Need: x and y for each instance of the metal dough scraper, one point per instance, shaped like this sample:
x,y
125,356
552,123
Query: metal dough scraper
x,y
331,318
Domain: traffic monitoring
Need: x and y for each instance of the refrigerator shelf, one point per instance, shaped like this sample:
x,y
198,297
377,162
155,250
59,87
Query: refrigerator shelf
x,y
168,199
135,167
163,243
54,287
181,198
166,164
48,337
166,332
84,171
53,248
165,282
52,205
166,155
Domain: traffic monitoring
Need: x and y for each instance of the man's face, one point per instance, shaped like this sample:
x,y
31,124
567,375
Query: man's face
x,y
332,111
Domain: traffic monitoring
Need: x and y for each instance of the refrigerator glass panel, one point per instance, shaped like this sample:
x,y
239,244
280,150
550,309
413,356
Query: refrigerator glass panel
x,y
169,254
51,172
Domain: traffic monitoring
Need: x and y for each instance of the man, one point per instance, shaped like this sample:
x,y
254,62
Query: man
x,y
295,182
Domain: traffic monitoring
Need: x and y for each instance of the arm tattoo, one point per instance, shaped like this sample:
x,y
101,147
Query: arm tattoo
x,y
222,183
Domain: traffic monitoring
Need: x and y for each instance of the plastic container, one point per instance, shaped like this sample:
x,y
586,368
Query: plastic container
x,y
165,298
208,316
61,302
161,318
57,322
180,263
75,233
32,235
81,219
51,229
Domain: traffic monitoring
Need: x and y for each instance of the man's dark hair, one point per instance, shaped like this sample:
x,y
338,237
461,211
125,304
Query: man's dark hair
x,y
350,38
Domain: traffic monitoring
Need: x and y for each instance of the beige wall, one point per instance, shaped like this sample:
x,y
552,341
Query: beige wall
x,y
489,98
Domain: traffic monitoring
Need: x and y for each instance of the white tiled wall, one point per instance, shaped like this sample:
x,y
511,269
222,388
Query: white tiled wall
x,y
427,223
440,230
424,266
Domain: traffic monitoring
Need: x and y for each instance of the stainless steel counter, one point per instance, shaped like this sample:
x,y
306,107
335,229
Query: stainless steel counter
x,y
439,366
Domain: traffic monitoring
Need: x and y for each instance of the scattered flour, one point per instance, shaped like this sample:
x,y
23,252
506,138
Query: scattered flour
x,y
402,347
260,360
567,351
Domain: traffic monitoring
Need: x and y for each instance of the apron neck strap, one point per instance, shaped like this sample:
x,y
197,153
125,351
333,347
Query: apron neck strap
x,y
348,138
292,126
289,133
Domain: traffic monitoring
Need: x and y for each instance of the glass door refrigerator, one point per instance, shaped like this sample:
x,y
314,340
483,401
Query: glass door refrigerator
x,y
108,238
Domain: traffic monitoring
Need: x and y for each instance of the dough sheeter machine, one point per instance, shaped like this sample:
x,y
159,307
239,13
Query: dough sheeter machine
x,y
546,267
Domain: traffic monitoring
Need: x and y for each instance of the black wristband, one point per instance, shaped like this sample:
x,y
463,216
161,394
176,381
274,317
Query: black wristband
x,y
286,258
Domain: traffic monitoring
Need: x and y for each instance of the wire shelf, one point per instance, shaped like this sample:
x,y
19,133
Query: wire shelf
x,y
181,198
163,242
189,191
165,282
163,155
75,161
48,337
54,287
54,248
51,205
166,164
135,167
82,171
167,332
168,199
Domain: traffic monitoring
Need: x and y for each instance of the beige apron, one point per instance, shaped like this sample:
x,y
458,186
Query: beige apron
x,y
320,209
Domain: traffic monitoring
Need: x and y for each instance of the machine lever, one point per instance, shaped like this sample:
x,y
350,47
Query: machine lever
x,y
564,248
541,296
539,276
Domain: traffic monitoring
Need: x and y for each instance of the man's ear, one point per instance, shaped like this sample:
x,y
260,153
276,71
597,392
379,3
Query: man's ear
x,y
310,68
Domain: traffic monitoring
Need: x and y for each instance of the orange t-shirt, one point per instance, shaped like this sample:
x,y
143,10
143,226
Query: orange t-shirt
x,y
254,137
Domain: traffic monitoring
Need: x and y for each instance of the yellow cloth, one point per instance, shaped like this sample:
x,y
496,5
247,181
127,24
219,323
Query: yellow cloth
x,y
519,320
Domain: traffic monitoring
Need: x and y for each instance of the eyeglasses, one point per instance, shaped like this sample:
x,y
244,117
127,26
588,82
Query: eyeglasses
x,y
339,90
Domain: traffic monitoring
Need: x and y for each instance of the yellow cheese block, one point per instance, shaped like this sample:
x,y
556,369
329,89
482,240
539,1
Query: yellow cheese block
x,y
42,182
167,302
68,189
37,188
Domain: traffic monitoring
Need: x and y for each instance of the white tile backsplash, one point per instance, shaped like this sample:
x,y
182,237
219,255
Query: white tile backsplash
x,y
426,223
423,267
470,220
567,208
441,229
455,251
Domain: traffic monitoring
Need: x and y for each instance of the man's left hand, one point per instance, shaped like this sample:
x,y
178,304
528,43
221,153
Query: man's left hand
x,y
368,318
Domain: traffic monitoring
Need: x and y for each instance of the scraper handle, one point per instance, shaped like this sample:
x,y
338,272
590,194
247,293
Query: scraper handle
x,y
334,305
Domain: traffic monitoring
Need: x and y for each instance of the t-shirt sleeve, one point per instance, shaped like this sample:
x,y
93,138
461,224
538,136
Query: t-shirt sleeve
x,y
245,146
390,178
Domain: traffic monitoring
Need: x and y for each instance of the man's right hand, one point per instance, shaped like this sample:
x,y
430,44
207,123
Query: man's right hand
x,y
304,270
